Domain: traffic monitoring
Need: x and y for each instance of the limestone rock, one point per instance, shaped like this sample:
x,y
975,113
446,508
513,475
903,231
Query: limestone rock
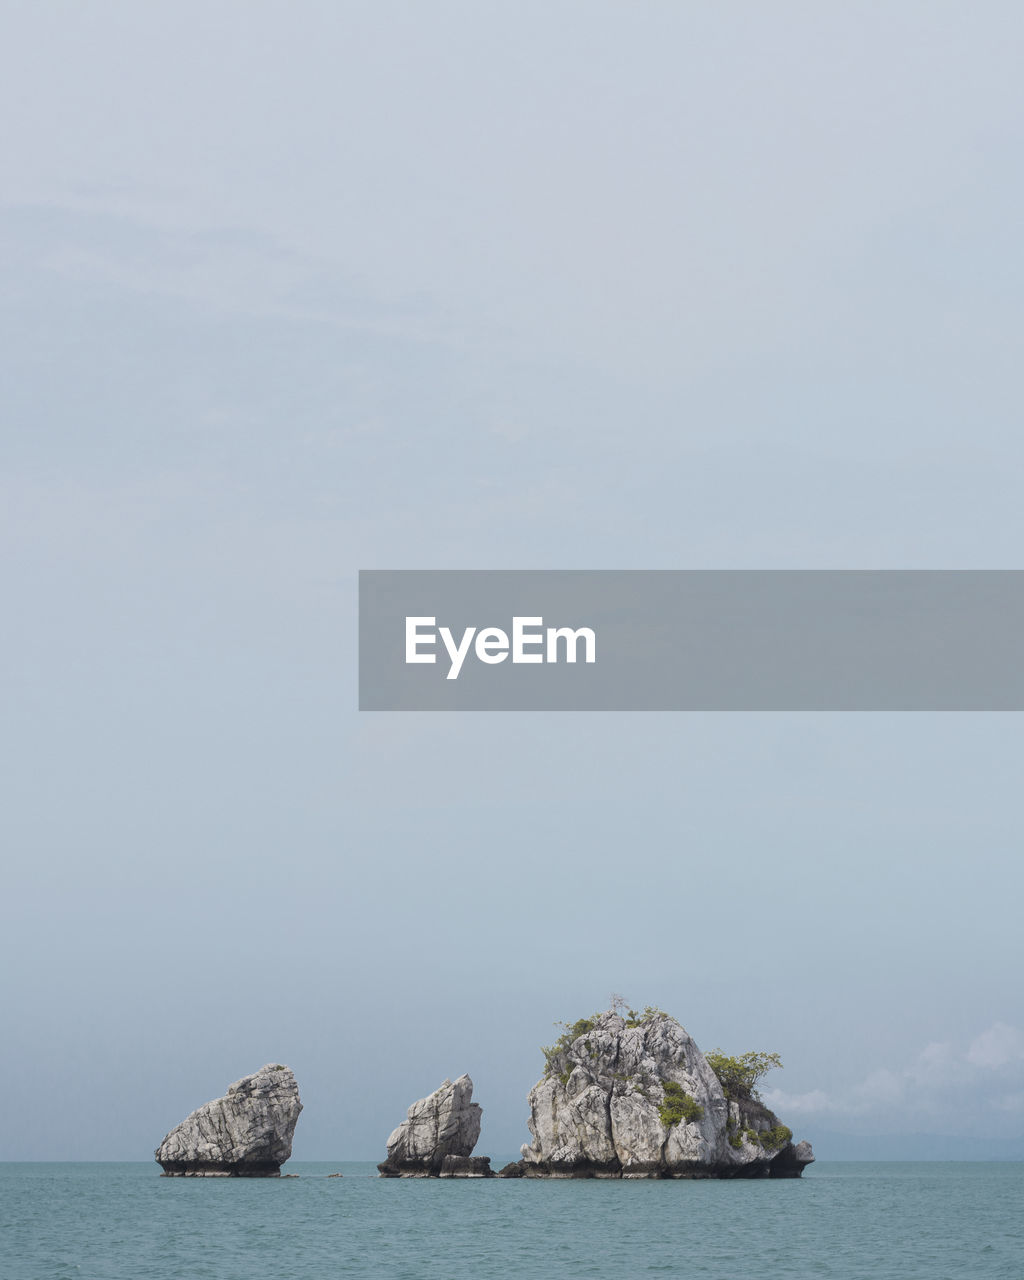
x,y
791,1161
245,1134
446,1124
641,1101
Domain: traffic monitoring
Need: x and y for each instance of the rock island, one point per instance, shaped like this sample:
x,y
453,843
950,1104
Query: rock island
x,y
437,1137
629,1095
245,1134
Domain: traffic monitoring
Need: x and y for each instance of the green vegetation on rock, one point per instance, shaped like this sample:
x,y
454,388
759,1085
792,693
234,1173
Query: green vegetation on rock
x,y
570,1031
775,1138
678,1106
651,1013
738,1076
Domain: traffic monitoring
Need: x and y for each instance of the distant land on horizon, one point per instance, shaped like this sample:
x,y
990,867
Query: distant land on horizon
x,y
913,1146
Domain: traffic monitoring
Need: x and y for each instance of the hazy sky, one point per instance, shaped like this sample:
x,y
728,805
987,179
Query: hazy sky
x,y
293,290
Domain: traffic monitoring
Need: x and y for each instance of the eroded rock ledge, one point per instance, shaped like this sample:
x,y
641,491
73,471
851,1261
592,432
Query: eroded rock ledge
x,y
633,1097
437,1138
245,1134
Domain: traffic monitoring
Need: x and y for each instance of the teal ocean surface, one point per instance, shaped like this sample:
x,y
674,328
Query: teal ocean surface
x,y
953,1221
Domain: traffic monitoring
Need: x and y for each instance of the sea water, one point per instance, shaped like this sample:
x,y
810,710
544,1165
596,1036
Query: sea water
x,y
953,1221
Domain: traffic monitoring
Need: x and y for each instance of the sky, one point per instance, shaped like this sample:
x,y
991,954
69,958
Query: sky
x,y
290,291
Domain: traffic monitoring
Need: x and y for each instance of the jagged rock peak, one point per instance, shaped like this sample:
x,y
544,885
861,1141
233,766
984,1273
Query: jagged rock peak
x,y
438,1136
246,1134
633,1097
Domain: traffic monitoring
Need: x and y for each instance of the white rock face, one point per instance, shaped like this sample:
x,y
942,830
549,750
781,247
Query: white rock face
x,y
598,1112
247,1133
443,1125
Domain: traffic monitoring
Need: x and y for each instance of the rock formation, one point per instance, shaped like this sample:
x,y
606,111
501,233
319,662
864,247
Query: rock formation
x,y
438,1137
245,1134
633,1097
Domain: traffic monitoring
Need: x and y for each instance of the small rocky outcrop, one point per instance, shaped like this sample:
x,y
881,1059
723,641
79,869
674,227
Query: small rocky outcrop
x,y
245,1134
438,1136
633,1097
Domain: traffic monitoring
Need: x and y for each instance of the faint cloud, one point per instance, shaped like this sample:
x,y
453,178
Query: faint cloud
x,y
511,432
814,1103
881,1088
225,270
997,1047
944,1084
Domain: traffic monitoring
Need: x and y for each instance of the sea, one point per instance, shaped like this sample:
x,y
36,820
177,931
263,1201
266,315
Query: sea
x,y
936,1221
